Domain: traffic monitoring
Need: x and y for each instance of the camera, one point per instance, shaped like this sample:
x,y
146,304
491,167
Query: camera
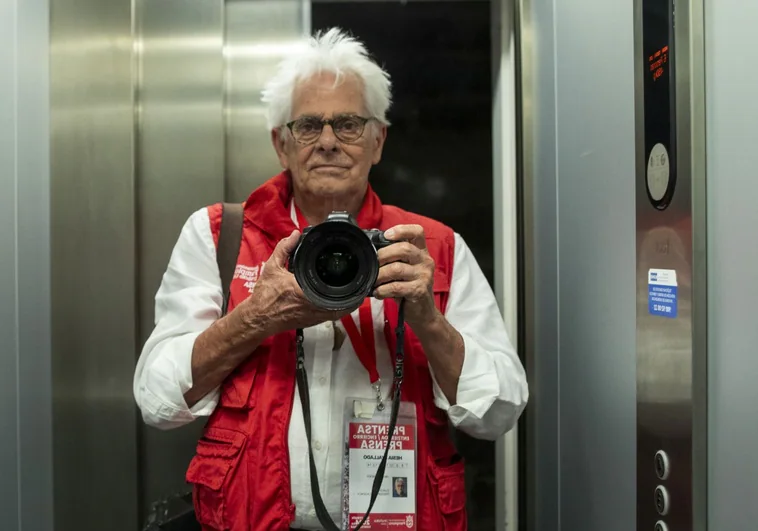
x,y
335,262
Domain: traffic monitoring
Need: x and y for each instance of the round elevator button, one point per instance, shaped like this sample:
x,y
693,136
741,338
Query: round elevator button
x,y
662,500
661,465
660,525
658,172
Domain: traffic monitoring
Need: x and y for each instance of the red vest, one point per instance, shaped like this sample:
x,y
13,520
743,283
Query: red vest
x,y
240,472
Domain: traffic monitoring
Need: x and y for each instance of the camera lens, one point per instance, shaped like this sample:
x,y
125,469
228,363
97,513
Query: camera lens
x,y
336,265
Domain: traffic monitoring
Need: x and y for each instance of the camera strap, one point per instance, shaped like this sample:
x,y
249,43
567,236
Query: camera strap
x,y
302,382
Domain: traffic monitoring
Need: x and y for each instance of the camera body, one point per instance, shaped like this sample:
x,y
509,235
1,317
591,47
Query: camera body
x,y
335,262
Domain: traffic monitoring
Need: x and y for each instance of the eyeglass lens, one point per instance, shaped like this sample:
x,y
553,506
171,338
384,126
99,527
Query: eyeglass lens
x,y
346,128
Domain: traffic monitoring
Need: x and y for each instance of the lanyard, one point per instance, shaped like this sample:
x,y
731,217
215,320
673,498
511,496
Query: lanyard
x,y
363,340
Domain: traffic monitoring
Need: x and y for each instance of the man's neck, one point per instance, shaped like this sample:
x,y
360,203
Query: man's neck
x,y
317,208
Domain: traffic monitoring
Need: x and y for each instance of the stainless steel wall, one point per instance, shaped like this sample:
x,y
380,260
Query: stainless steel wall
x,y
26,493
179,168
579,137
510,500
732,134
139,142
94,271
201,138
258,35
9,450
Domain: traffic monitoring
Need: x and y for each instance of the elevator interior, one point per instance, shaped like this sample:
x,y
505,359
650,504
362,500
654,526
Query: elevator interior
x,y
123,117
176,124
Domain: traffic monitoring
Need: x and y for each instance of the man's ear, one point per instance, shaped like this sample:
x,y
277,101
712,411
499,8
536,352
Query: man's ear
x,y
279,139
380,136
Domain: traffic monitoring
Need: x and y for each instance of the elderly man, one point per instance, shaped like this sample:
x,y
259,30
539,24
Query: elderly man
x,y
258,466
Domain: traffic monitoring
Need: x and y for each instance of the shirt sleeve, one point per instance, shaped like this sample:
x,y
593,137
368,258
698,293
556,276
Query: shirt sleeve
x,y
188,301
492,390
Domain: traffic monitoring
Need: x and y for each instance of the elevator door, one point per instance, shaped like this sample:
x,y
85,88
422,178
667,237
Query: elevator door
x,y
202,139
438,157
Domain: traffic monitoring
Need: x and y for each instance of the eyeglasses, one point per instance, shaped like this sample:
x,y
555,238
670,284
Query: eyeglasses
x,y
348,129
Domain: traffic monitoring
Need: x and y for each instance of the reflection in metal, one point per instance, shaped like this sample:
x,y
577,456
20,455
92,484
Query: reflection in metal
x,y
579,264
139,142
201,138
93,265
26,469
180,168
671,346
505,191
732,336
523,51
258,35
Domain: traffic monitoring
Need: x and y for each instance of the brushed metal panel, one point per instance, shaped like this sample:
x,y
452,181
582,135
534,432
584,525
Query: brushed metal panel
x,y
180,168
540,221
506,226
33,259
596,290
693,119
671,365
258,35
525,48
93,273
732,131
9,449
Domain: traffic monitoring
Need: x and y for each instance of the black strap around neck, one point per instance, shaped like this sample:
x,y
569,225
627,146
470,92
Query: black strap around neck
x,y
302,383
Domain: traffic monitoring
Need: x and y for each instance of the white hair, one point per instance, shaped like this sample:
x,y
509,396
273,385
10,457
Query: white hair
x,y
334,52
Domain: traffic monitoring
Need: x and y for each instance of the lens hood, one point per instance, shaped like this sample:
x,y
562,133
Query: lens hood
x,y
335,262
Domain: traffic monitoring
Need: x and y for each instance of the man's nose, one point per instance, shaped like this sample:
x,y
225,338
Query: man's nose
x,y
328,140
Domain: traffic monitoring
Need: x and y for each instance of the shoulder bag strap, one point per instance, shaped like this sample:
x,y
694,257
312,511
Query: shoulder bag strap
x,y
227,251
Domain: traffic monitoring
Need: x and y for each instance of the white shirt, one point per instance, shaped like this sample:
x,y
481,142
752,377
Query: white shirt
x,y
492,391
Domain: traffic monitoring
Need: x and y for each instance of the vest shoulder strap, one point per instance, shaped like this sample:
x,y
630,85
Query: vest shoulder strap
x,y
227,250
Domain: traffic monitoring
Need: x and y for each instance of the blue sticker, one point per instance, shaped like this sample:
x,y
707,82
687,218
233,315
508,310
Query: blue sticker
x,y
662,292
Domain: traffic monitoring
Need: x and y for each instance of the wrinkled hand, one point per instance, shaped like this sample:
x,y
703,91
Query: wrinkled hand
x,y
278,301
406,271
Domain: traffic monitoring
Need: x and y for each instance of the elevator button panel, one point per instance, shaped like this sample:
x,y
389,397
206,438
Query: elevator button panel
x,y
662,466
662,504
671,445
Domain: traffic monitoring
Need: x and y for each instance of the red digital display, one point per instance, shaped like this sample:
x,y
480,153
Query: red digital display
x,y
658,62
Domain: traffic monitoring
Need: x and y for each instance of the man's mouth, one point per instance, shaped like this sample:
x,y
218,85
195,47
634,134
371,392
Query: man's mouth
x,y
328,167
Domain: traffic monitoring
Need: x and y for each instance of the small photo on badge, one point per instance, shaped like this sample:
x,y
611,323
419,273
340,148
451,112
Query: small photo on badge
x,y
399,487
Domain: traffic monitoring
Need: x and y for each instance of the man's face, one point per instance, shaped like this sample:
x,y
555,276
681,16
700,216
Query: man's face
x,y
328,166
399,486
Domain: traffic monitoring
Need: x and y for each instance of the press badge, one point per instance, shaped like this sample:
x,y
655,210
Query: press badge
x,y
366,429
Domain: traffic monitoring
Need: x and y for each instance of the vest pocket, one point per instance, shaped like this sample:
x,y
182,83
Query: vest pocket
x,y
220,497
449,488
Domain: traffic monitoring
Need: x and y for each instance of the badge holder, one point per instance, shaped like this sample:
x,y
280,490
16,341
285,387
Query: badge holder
x,y
392,413
366,430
